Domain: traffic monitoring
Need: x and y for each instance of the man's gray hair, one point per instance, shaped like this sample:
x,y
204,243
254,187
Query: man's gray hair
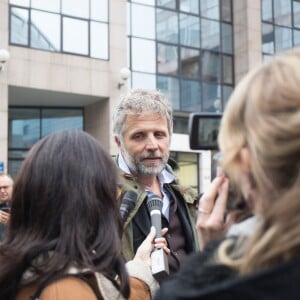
x,y
141,101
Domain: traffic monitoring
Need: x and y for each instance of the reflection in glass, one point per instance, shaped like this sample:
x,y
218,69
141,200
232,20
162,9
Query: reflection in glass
x,y
296,8
226,10
211,97
180,125
210,9
283,38
282,12
48,5
267,12
190,96
143,55
227,90
99,10
167,59
166,26
190,6
99,40
189,61
227,38
189,30
296,37
75,36
169,86
210,35
19,26
210,66
149,2
56,119
20,2
76,8
143,21
45,30
142,80
166,3
23,127
227,69
267,38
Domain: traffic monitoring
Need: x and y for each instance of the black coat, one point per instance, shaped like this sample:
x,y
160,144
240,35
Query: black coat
x,y
198,280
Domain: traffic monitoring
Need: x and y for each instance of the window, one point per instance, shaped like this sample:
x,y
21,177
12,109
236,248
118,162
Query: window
x,y
69,26
28,125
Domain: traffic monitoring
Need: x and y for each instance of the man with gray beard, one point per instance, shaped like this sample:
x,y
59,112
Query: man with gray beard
x,y
143,125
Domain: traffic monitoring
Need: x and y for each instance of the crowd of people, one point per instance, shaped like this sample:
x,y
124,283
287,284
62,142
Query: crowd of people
x,y
65,238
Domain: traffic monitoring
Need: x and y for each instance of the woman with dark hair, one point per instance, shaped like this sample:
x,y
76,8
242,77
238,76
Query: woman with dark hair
x,y
63,239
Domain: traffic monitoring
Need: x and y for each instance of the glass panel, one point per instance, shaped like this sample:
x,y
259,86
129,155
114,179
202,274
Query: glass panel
x,y
296,37
99,40
72,29
267,14
19,26
227,90
210,66
143,21
142,80
296,8
226,10
167,26
23,127
20,2
147,48
167,3
14,166
226,38
45,30
211,97
210,9
191,6
170,87
149,2
167,59
227,69
189,30
210,35
57,119
283,38
282,12
48,5
76,8
99,10
190,96
180,125
189,60
268,38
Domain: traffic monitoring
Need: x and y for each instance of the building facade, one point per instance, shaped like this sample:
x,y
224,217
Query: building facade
x,y
66,57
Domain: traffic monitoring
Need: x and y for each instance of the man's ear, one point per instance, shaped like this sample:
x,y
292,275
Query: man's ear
x,y
117,140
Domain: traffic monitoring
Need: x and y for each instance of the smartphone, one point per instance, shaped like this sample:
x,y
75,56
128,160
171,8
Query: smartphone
x,y
204,130
5,209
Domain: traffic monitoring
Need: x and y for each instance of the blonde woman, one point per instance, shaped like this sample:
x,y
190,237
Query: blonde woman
x,y
260,144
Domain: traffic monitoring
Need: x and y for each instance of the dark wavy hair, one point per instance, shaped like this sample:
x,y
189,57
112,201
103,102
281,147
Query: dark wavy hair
x,y
65,210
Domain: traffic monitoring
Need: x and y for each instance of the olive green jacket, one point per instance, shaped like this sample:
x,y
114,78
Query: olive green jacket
x,y
129,182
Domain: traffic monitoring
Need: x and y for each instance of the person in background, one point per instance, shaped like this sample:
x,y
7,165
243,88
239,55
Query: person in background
x,y
6,189
64,235
260,144
143,125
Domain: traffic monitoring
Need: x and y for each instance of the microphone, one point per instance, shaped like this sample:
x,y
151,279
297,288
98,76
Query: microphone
x,y
159,259
127,204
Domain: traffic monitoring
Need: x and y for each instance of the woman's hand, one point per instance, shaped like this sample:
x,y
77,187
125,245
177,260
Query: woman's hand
x,y
4,217
144,250
211,223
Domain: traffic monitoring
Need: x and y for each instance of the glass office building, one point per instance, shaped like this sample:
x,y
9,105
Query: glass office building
x,y
66,57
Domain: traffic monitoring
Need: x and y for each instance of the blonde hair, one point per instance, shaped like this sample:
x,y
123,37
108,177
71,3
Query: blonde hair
x,y
263,114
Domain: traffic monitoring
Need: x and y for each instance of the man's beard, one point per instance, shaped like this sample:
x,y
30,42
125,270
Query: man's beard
x,y
139,166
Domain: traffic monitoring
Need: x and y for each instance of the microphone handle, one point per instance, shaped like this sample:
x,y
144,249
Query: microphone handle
x,y
156,221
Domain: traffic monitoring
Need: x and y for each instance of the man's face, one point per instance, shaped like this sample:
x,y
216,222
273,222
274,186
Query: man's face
x,y
145,145
6,187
